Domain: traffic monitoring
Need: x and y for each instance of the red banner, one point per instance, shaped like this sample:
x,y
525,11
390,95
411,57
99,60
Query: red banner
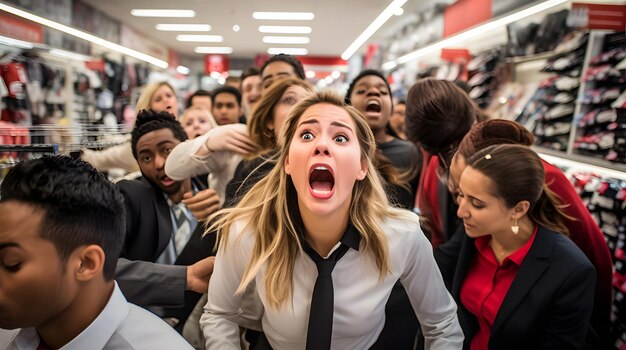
x,y
599,16
465,14
17,28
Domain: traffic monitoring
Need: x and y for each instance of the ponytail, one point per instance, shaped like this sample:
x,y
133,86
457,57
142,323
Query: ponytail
x,y
548,212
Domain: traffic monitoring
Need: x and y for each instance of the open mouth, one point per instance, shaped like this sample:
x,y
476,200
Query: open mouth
x,y
373,106
321,181
166,181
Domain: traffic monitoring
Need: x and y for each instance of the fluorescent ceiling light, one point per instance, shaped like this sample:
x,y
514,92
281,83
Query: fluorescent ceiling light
x,y
288,50
236,28
470,33
85,36
182,70
284,16
372,28
285,29
200,38
16,43
162,13
70,55
286,40
214,49
184,27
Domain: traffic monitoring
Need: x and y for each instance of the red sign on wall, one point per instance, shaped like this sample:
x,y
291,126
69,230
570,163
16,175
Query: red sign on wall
x,y
17,28
599,16
215,63
464,14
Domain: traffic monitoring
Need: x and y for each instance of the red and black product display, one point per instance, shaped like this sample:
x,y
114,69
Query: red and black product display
x,y
606,200
601,124
550,111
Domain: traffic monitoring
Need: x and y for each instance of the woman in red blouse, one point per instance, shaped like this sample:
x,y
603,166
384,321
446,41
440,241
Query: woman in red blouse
x,y
583,230
519,281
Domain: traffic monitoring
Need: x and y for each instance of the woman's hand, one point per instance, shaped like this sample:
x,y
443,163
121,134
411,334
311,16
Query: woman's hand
x,y
231,137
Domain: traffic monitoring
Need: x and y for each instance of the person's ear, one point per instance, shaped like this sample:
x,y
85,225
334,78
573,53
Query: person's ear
x,y
363,172
287,166
520,209
89,262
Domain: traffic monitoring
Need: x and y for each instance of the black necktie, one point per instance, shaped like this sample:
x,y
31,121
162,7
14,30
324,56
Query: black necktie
x,y
320,328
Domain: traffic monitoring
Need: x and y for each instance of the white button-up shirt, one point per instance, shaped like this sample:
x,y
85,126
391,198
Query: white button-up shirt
x,y
360,295
120,325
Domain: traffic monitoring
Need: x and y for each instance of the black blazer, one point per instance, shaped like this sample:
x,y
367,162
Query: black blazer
x,y
549,303
149,230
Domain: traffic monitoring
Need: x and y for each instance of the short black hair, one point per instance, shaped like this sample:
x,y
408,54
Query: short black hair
x,y
148,120
226,90
289,59
361,75
250,72
197,93
80,205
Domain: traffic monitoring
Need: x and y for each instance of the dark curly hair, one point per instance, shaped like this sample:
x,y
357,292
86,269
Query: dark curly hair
x,y
148,120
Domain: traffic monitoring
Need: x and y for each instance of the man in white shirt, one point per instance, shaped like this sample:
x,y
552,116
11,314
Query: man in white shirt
x,y
62,227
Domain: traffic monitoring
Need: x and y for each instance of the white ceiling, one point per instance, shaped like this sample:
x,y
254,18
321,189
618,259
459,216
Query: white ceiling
x,y
336,25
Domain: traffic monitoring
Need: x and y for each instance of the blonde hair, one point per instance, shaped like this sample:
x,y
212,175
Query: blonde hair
x,y
268,209
264,113
143,102
209,116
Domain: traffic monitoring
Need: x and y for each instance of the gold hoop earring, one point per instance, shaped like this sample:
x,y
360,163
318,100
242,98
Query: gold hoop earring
x,y
515,228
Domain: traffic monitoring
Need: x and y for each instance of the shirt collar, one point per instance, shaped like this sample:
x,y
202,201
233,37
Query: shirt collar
x,y
96,335
351,236
517,257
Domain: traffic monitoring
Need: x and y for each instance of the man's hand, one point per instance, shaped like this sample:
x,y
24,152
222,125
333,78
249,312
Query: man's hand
x,y
199,274
202,204
231,137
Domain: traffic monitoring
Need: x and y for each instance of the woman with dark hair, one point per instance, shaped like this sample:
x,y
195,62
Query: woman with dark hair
x,y
583,230
438,115
399,163
397,160
519,281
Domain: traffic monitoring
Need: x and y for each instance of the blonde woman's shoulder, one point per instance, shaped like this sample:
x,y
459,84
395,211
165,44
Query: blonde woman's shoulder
x,y
401,223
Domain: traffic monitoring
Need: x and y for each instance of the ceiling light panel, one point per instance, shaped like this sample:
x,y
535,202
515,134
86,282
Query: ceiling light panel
x,y
285,29
288,50
372,28
184,27
286,40
284,16
214,49
183,70
162,13
200,38
84,35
